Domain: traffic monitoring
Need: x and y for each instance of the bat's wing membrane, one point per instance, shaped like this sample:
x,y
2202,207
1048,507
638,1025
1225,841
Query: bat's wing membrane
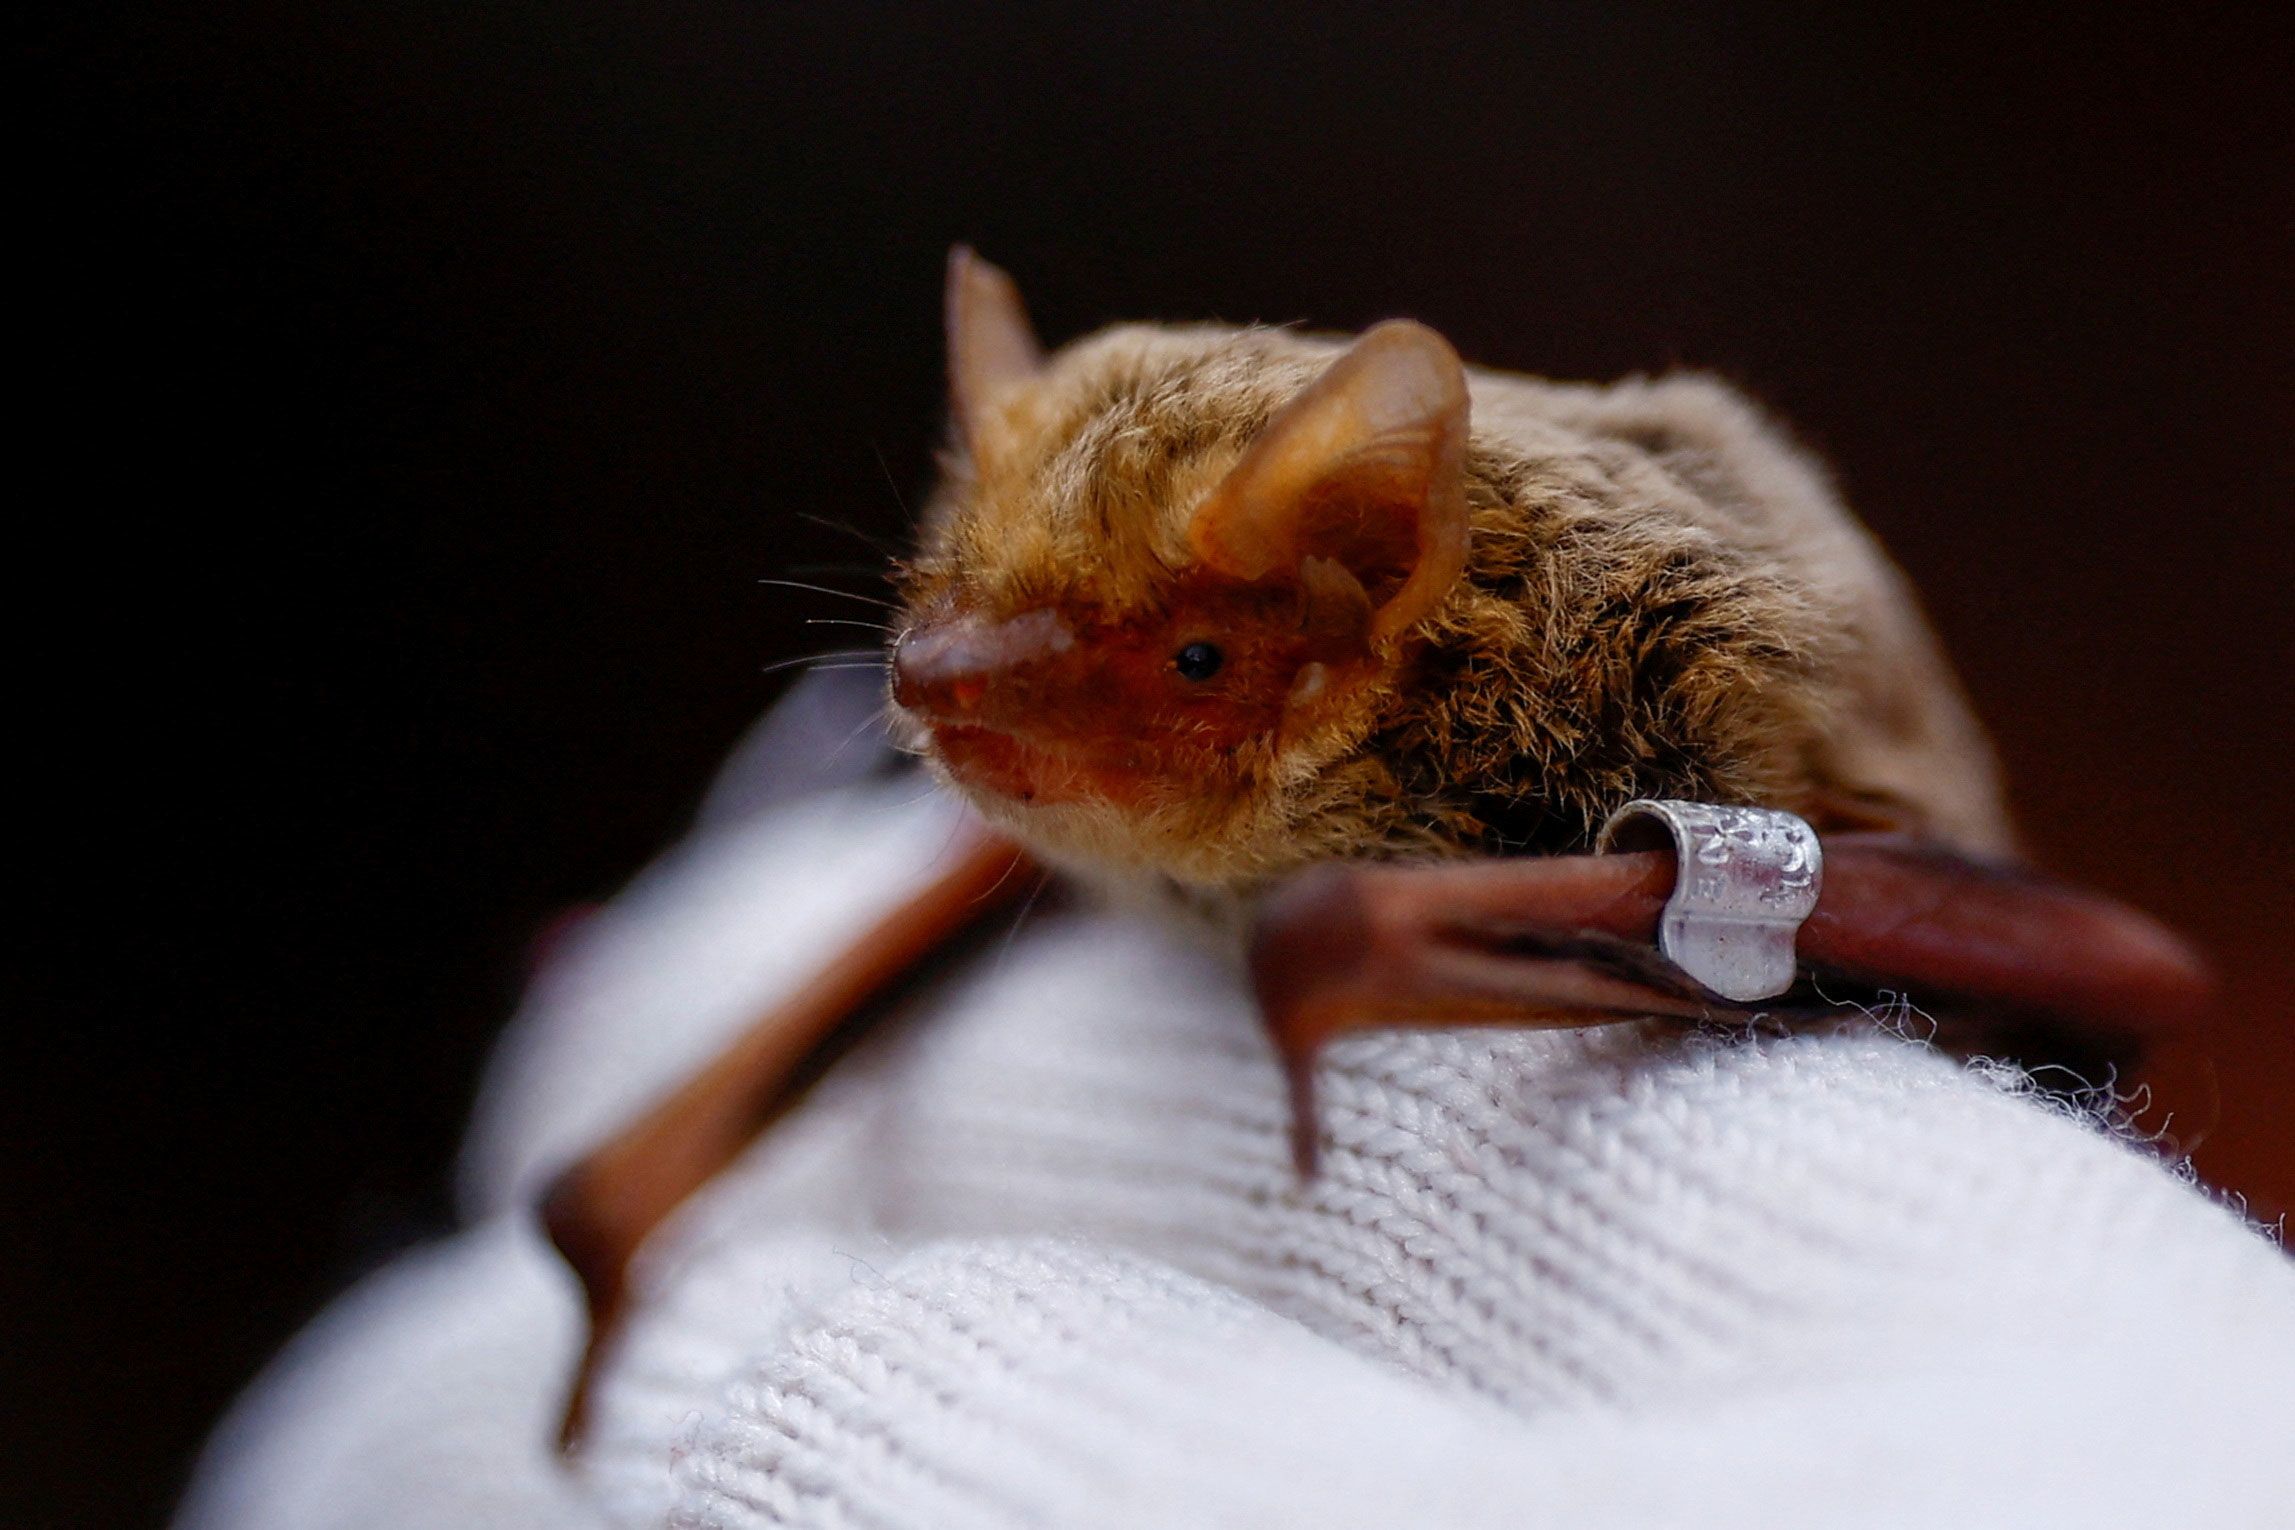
x,y
2004,954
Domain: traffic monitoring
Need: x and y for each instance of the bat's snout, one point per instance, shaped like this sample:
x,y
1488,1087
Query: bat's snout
x,y
950,669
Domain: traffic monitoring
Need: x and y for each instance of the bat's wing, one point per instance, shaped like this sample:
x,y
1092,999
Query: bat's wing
x,y
2006,959
1560,941
601,1209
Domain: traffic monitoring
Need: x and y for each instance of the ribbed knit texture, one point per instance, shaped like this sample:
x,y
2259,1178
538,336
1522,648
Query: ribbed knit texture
x,y
1036,1256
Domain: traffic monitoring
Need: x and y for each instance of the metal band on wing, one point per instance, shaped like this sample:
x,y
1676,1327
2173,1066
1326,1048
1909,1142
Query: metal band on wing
x,y
1744,881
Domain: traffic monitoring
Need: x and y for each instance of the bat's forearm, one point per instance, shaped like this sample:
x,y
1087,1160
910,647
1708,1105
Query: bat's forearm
x,y
1566,940
603,1208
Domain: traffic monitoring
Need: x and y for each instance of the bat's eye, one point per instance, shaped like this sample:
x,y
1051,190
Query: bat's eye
x,y
1198,661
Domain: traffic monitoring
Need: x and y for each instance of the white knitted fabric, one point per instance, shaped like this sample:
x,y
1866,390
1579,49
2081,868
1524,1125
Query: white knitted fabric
x,y
1037,1257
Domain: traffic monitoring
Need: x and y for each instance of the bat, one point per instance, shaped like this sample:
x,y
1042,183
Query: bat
x,y
1345,651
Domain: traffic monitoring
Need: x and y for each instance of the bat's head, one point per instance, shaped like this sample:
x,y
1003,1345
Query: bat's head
x,y
1169,577
1210,603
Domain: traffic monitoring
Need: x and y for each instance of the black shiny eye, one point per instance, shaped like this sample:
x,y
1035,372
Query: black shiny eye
x,y
1198,661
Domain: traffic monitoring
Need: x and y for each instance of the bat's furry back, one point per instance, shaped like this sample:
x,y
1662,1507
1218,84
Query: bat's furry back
x,y
1661,596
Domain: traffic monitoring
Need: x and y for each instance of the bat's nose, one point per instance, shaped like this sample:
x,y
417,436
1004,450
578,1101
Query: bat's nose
x,y
945,669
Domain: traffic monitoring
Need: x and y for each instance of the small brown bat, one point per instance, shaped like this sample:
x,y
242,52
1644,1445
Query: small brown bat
x,y
1351,649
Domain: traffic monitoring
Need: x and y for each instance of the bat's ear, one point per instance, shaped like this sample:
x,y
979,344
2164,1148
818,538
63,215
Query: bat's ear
x,y
990,346
1361,478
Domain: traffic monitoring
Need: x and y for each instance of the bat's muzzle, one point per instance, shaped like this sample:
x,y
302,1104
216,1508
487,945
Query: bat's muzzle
x,y
955,668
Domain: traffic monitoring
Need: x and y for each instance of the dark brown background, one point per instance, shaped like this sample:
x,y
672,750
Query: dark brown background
x,y
421,390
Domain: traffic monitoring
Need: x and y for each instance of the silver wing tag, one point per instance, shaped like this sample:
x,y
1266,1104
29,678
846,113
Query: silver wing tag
x,y
1745,880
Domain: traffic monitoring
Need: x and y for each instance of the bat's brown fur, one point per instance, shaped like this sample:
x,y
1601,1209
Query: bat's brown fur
x,y
1663,597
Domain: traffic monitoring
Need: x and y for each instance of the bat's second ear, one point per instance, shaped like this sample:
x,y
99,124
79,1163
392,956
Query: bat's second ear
x,y
991,348
1363,472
